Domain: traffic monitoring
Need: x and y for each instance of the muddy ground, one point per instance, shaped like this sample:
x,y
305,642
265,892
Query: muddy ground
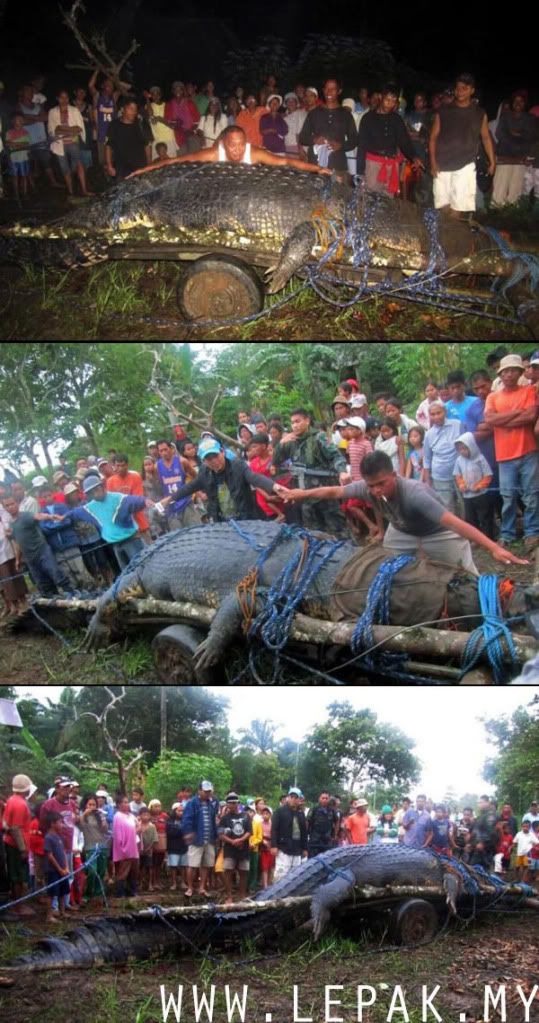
x,y
496,950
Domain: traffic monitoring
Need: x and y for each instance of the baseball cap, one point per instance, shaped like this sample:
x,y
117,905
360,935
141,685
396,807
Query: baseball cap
x,y
207,786
71,488
177,806
209,447
296,792
91,483
512,362
39,481
534,361
58,476
102,461
359,400
102,794
355,421
232,798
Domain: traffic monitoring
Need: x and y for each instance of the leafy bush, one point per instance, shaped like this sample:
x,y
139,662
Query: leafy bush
x,y
173,770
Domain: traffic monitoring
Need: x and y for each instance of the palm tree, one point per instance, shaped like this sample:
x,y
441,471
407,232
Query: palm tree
x,y
260,737
41,766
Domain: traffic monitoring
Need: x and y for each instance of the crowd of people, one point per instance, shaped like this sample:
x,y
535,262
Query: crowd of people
x,y
463,470
80,846
439,151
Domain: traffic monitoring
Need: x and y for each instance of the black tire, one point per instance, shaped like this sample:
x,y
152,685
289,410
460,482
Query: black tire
x,y
220,288
415,921
173,651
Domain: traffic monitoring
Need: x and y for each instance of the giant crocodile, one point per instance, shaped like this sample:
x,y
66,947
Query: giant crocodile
x,y
276,211
327,883
205,565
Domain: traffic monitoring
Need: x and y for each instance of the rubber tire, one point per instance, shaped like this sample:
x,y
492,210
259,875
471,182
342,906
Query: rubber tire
x,y
414,921
173,651
219,287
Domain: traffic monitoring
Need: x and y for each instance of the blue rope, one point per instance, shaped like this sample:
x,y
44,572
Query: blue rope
x,y
526,264
490,636
378,612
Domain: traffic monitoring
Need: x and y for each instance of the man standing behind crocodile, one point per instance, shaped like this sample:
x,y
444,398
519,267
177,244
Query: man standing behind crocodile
x,y
315,462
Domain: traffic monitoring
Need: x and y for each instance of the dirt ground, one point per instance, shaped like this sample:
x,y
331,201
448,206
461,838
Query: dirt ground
x,y
496,950
42,659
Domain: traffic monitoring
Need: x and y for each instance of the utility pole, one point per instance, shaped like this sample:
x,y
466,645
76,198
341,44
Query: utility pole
x,y
164,728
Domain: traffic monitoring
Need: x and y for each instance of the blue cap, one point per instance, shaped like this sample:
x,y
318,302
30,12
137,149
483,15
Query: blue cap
x,y
92,483
208,447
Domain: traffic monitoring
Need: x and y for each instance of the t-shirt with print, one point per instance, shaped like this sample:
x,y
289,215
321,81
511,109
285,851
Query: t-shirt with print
x,y
106,110
520,441
441,834
53,844
415,509
67,811
236,825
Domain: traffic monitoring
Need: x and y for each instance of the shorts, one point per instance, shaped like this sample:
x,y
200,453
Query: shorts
x,y
146,861
158,859
17,870
201,856
60,886
19,170
176,860
522,862
42,156
533,866
230,863
285,864
86,158
71,158
267,861
456,189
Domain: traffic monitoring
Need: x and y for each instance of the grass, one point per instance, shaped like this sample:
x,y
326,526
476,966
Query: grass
x,y
112,300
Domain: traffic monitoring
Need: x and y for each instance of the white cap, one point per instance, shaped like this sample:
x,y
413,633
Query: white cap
x,y
39,481
355,421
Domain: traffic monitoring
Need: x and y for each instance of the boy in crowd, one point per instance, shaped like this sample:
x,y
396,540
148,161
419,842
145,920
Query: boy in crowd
x,y
57,872
474,477
526,840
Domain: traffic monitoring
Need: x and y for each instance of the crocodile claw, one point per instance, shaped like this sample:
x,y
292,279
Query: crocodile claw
x,y
206,655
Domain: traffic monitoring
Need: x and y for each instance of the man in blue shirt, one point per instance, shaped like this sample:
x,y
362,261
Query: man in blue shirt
x,y
113,516
441,455
417,825
64,541
459,402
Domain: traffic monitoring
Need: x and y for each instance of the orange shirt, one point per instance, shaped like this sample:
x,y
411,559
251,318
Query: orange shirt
x,y
520,441
131,484
17,815
251,125
358,828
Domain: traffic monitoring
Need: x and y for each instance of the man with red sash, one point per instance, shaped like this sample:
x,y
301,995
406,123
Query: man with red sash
x,y
383,145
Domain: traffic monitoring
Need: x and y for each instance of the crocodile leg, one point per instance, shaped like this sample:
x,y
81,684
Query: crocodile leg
x,y
295,253
225,629
328,897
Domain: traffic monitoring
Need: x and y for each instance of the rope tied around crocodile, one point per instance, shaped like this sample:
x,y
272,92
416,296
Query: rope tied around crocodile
x,y
492,634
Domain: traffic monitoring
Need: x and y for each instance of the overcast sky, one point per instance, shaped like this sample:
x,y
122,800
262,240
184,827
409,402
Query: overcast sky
x,y
445,723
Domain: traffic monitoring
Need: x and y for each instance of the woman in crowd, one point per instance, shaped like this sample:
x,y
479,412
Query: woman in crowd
x,y
422,415
392,444
295,118
93,826
125,849
213,122
267,859
177,849
273,127
160,820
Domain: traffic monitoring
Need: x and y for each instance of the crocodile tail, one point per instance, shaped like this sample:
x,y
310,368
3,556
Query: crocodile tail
x,y
60,252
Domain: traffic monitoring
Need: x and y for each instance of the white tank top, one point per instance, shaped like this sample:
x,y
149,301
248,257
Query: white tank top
x,y
223,158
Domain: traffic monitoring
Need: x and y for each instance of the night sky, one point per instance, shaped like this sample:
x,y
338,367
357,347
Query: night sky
x,y
182,39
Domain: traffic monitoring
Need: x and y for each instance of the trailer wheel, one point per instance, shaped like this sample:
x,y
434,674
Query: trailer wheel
x,y
415,921
219,288
173,651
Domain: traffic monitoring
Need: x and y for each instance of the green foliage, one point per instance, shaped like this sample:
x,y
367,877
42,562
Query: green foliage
x,y
258,774
516,768
31,758
413,364
173,770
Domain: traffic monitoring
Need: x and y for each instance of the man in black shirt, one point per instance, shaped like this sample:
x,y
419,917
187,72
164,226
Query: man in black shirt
x,y
383,141
289,835
322,825
128,145
235,831
329,131
227,482
456,133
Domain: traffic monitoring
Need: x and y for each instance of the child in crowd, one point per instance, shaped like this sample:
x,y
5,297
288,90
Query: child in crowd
x,y
177,849
162,152
37,849
57,871
149,844
422,415
525,841
533,867
442,841
372,432
160,820
18,144
415,463
504,851
392,444
474,476
353,430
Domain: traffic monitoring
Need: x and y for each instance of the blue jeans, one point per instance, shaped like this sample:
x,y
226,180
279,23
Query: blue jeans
x,y
519,478
126,550
47,574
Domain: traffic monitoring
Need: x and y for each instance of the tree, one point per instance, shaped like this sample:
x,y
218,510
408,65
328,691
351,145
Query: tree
x,y
174,770
117,744
41,767
353,748
260,737
515,770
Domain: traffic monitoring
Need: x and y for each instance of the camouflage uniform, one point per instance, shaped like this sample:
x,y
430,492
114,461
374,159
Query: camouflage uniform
x,y
316,462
